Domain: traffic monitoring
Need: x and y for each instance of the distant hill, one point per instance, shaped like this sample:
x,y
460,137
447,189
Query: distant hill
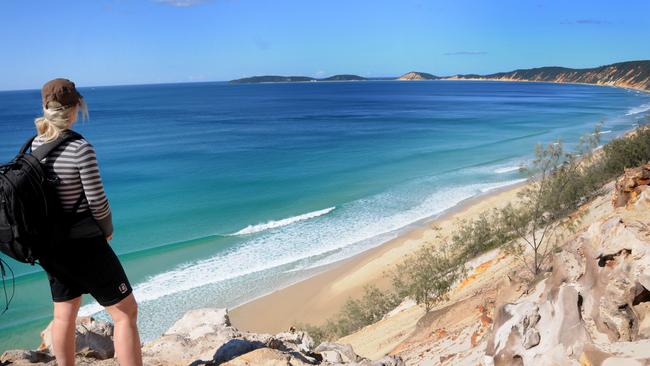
x,y
344,78
272,79
631,74
289,79
415,75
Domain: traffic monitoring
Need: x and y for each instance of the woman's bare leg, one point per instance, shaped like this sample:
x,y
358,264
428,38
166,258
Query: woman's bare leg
x,y
126,337
63,331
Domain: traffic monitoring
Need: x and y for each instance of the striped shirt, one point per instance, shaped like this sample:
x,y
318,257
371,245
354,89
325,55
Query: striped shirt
x,y
74,163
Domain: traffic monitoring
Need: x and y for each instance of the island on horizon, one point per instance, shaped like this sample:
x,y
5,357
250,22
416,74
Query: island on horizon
x,y
629,74
294,79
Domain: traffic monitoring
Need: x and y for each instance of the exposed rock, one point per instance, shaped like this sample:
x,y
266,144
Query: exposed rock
x,y
234,348
35,358
593,309
202,337
94,338
265,357
337,353
201,334
199,322
388,361
18,357
333,356
297,341
205,336
629,185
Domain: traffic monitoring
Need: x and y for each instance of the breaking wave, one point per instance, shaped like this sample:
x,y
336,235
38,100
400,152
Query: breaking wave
x,y
640,109
252,229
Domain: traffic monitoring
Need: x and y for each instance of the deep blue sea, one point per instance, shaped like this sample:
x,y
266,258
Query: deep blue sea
x,y
221,193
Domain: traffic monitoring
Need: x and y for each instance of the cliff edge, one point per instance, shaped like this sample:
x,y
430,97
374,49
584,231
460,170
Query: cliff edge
x,y
631,74
592,309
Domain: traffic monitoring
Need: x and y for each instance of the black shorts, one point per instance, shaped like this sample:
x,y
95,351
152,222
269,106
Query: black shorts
x,y
85,266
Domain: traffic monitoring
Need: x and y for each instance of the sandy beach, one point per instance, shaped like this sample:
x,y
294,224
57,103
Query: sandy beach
x,y
318,298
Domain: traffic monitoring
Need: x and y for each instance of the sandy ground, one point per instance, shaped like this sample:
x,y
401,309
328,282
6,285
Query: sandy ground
x,y
456,331
320,297
453,333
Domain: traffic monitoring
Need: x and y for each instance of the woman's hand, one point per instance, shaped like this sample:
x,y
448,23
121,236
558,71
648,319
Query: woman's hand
x,y
109,238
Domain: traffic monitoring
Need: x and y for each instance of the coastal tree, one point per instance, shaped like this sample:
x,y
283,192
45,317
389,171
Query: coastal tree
x,y
427,275
476,236
559,182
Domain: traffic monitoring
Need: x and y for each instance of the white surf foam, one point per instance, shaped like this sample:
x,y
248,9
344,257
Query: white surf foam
x,y
459,194
491,187
640,109
507,169
357,222
251,229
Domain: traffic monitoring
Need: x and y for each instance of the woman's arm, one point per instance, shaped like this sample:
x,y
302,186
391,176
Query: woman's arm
x,y
93,188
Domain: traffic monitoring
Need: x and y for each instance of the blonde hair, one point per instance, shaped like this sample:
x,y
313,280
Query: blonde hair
x,y
57,118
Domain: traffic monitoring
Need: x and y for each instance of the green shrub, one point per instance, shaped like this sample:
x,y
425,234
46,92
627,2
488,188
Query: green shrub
x,y
355,314
473,237
556,187
559,182
426,276
626,152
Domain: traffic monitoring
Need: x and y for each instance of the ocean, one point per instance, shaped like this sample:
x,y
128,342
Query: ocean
x,y
222,193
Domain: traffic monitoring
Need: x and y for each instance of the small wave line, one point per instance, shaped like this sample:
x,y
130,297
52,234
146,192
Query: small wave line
x,y
252,229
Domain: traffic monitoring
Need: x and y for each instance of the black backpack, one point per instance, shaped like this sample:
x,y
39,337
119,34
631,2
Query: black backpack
x,y
31,217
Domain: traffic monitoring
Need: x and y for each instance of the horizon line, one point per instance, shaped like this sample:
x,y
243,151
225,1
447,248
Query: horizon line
x,y
373,77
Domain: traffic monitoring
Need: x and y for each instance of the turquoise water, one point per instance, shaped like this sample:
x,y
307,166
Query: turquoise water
x,y
222,193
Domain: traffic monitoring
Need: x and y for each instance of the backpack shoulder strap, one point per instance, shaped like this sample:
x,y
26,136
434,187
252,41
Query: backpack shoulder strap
x,y
27,145
44,150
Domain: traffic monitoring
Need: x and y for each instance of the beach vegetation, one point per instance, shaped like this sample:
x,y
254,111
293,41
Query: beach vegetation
x,y
530,228
559,183
629,152
427,275
476,236
355,314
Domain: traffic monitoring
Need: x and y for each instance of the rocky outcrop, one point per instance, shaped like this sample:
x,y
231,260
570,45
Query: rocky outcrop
x,y
25,357
94,342
94,338
202,337
594,309
629,185
205,336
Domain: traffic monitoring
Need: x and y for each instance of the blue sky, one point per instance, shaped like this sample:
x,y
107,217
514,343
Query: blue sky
x,y
112,42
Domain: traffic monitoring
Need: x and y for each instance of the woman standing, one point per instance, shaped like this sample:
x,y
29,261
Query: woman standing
x,y
84,263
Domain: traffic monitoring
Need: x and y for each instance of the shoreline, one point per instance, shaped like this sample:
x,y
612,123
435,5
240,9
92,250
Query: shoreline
x,y
446,78
315,299
505,80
